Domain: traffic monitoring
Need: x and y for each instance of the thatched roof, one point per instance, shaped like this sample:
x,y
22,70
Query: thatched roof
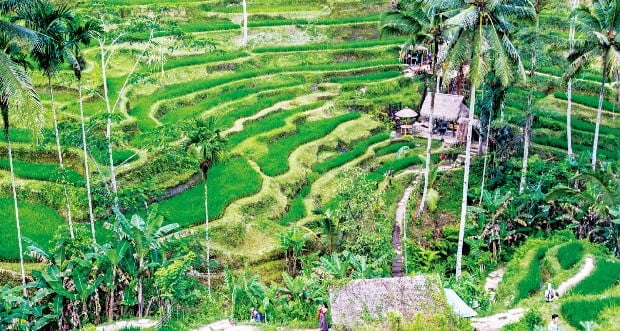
x,y
448,107
374,298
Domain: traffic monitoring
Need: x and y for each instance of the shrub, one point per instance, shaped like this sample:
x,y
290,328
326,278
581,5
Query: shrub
x,y
227,182
586,310
570,254
606,275
343,158
532,278
275,162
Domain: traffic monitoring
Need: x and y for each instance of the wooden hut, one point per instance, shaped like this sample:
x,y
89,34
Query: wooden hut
x,y
448,108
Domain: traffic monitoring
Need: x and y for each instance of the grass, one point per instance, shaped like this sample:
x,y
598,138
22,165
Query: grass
x,y
227,182
562,144
297,208
532,279
268,123
606,275
367,78
38,222
343,158
185,61
586,309
118,156
586,100
141,108
570,254
393,148
325,46
19,135
275,162
42,171
394,166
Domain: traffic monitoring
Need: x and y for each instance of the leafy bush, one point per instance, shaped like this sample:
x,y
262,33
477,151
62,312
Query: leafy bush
x,y
268,123
586,310
275,162
42,171
227,182
606,275
38,222
343,158
570,254
532,278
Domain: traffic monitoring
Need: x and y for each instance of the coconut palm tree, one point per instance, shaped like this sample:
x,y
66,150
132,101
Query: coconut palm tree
x,y
569,86
16,90
599,24
205,140
49,21
483,42
424,23
80,33
535,45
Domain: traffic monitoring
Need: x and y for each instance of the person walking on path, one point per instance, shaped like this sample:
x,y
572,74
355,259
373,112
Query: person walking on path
x,y
322,315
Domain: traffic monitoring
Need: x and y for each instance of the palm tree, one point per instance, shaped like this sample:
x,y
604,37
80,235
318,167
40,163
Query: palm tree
x,y
425,24
49,22
482,41
80,33
205,140
16,90
600,25
527,130
569,87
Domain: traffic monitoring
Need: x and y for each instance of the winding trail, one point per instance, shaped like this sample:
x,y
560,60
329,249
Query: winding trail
x,y
399,219
585,271
497,321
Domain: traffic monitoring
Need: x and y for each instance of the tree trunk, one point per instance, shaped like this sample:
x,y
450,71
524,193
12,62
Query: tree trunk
x,y
207,237
7,138
599,112
486,155
527,131
60,160
569,90
108,128
140,296
91,216
111,297
429,142
459,252
245,23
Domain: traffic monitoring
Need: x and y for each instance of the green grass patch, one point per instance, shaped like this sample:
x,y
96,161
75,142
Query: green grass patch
x,y
343,158
190,60
562,144
570,254
118,156
297,208
587,100
605,275
268,123
42,171
532,279
366,78
19,135
394,166
586,310
393,148
227,182
275,162
38,222
326,46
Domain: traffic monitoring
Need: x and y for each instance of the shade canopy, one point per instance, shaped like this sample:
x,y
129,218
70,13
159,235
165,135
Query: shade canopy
x,y
448,107
406,113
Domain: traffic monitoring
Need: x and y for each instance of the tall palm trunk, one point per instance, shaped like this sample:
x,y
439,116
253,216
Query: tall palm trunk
x,y
527,131
60,159
599,112
429,142
207,237
569,89
245,23
459,252
108,128
91,216
7,138
486,153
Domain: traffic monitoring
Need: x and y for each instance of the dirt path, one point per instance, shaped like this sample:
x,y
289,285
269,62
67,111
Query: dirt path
x,y
585,271
401,210
120,325
225,325
497,321
493,279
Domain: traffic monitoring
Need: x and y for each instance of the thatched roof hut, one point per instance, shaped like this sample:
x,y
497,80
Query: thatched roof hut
x,y
374,298
448,107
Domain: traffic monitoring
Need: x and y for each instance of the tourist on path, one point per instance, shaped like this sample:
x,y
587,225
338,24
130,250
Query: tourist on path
x,y
322,314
